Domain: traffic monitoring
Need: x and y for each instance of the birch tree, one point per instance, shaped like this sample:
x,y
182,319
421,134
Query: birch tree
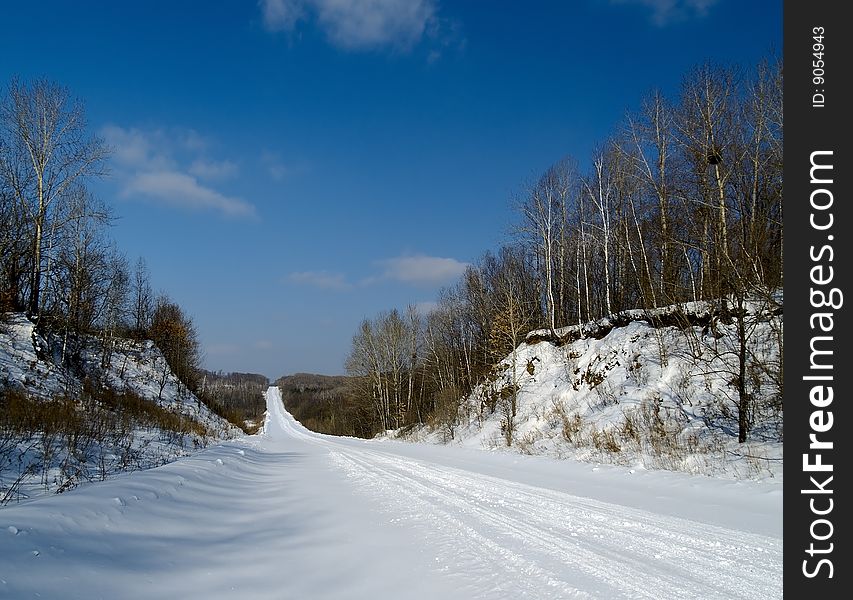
x,y
544,222
142,299
707,123
46,151
649,145
82,265
600,192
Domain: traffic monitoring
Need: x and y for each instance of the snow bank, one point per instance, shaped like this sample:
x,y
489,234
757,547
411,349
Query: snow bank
x,y
31,466
22,360
644,389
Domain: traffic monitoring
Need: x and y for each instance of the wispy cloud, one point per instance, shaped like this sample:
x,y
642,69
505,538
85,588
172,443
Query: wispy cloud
x,y
281,15
356,24
193,140
422,270
419,270
278,169
666,12
135,149
222,349
169,166
180,189
321,279
213,169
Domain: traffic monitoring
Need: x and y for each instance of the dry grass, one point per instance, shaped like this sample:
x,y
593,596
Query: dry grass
x,y
65,441
570,424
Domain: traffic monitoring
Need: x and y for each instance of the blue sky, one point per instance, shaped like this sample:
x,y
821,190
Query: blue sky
x,y
289,167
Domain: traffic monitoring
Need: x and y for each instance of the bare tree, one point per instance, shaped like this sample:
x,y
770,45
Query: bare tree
x,y
516,311
46,151
365,364
707,127
115,306
600,191
649,141
413,322
141,299
543,228
82,264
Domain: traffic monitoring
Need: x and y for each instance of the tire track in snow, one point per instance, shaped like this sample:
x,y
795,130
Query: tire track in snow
x,y
535,542
634,553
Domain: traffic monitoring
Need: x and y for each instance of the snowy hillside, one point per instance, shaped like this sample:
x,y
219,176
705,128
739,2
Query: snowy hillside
x,y
644,389
129,410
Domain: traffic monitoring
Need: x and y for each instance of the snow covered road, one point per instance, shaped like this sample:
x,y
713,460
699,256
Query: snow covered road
x,y
292,514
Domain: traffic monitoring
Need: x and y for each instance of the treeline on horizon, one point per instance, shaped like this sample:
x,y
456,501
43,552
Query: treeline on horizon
x,y
682,203
59,265
328,404
239,397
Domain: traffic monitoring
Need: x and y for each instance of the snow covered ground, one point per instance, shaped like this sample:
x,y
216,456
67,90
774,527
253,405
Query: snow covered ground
x,y
292,514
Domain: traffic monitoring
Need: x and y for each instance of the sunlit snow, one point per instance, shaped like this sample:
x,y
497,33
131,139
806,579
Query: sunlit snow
x,y
292,514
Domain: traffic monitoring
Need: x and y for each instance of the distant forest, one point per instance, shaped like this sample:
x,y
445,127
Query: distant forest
x,y
682,203
328,404
239,397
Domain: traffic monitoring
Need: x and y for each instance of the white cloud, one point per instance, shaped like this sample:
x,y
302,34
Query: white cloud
x,y
423,270
166,166
213,169
321,279
356,24
281,15
181,189
134,148
664,12
418,270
